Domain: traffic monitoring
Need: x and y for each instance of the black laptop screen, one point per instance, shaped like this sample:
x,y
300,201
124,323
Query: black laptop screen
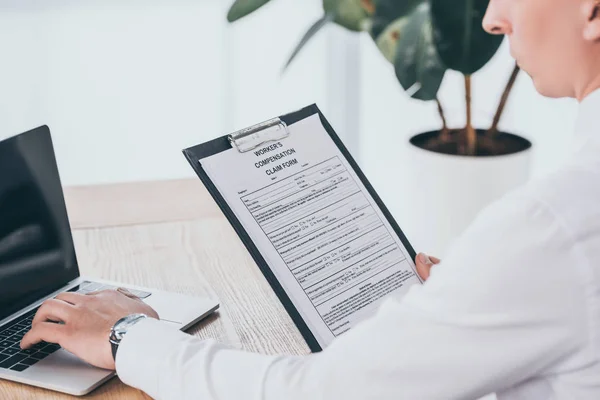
x,y
36,248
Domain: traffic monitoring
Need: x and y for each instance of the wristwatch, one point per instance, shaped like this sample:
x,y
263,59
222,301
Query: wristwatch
x,y
119,330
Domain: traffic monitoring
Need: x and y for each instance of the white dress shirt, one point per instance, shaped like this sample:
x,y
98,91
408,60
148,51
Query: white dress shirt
x,y
514,308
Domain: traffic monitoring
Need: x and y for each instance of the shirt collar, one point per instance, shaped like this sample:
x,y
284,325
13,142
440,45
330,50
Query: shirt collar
x,y
587,118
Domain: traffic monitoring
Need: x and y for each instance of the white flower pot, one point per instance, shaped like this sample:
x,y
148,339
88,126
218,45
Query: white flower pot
x,y
447,191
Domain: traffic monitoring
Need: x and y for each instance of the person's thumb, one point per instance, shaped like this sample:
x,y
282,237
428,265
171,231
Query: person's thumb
x,y
424,264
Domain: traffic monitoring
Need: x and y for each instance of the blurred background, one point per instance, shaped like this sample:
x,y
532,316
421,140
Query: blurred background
x,y
124,85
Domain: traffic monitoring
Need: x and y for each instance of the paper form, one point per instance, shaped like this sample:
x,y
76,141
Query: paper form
x,y
317,227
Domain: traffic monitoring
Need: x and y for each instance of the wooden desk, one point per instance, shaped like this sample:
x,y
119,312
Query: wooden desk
x,y
171,235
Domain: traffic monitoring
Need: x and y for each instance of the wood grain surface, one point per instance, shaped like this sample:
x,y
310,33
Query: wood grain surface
x,y
138,203
170,235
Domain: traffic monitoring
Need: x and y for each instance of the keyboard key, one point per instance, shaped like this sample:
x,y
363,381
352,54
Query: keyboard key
x,y
39,346
17,336
3,357
19,367
6,343
10,351
47,351
12,340
51,347
38,355
29,351
93,287
29,361
9,362
77,288
28,313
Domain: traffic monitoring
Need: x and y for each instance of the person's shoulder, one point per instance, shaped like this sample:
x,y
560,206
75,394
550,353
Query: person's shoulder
x,y
571,194
516,244
525,224
535,230
523,208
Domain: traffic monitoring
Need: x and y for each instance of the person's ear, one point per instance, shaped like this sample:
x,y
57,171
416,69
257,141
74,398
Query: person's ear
x,y
592,14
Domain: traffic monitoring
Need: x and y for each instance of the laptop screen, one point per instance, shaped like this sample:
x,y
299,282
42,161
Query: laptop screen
x,y
37,255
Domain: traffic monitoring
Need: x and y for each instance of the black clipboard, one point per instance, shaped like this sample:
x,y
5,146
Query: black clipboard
x,y
196,153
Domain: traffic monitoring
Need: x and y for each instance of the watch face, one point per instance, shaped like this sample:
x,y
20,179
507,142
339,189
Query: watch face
x,y
123,325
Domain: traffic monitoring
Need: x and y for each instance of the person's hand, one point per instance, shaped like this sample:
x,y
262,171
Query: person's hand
x,y
84,323
424,264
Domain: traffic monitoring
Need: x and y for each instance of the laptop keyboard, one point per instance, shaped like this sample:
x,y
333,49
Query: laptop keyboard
x,y
11,355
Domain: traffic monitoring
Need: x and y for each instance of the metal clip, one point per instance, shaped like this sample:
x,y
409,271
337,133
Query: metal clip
x,y
252,137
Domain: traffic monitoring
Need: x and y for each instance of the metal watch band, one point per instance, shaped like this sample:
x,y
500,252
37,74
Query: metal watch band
x,y
119,330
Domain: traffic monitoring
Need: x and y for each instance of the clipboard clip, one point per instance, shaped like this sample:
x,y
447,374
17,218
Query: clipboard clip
x,y
254,136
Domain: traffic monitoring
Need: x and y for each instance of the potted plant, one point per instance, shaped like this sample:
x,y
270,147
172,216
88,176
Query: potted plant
x,y
460,169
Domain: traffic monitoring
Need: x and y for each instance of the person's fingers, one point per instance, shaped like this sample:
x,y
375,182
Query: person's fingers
x,y
127,293
53,310
71,297
423,263
112,293
101,292
435,260
46,332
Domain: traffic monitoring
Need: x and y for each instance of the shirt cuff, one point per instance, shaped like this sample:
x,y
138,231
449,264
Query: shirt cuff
x,y
143,351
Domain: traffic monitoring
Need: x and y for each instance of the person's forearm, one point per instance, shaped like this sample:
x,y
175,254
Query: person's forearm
x,y
168,364
472,329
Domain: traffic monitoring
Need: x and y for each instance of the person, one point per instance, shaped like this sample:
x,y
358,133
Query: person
x,y
513,309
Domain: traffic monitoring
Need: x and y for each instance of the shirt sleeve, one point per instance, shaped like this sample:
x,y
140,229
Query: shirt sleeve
x,y
504,306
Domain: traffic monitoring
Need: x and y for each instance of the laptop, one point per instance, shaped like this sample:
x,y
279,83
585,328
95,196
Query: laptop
x,y
38,261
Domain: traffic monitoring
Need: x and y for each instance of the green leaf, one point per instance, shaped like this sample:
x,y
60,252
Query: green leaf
x,y
387,11
417,63
461,42
241,8
351,14
312,31
387,41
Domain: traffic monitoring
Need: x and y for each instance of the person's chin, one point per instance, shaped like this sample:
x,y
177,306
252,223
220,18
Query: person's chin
x,y
545,90
541,86
518,61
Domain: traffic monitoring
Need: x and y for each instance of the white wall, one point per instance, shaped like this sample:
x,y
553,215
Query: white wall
x,y
126,84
